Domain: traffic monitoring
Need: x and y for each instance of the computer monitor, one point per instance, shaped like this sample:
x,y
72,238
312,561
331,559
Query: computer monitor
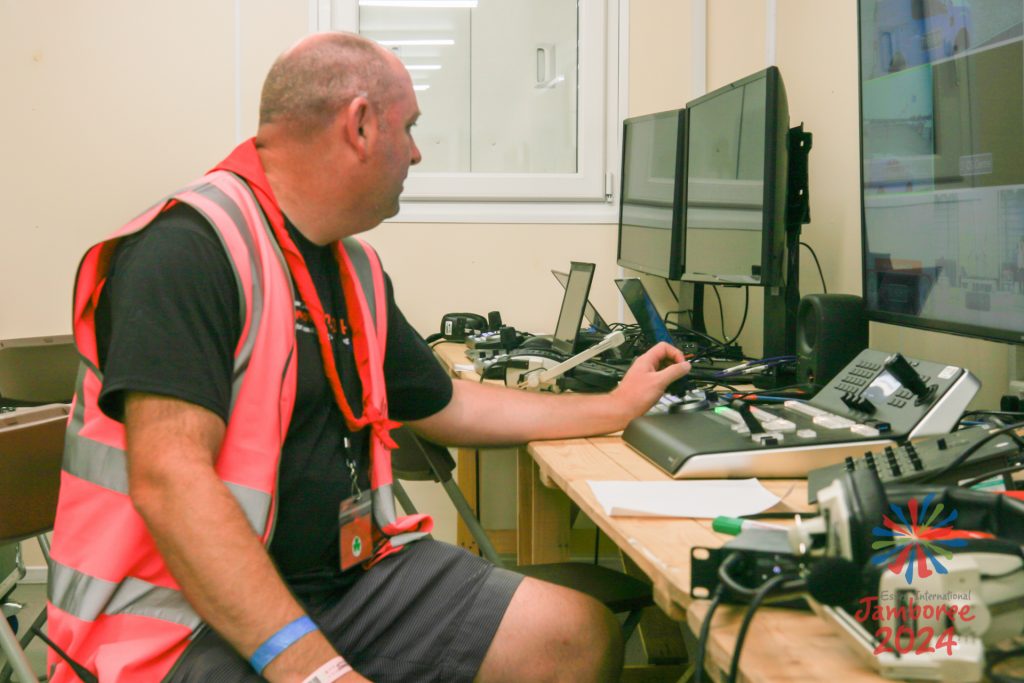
x,y
652,327
577,289
650,210
736,175
590,313
942,165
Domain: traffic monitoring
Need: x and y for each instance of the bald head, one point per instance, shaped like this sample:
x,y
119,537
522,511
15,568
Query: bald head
x,y
309,84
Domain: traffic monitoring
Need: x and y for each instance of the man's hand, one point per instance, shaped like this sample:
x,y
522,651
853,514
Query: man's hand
x,y
648,377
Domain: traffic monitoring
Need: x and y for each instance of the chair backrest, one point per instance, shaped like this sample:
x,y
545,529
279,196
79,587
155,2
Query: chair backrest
x,y
31,449
416,459
36,371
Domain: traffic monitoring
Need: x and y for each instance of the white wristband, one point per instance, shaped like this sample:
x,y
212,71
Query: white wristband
x,y
329,672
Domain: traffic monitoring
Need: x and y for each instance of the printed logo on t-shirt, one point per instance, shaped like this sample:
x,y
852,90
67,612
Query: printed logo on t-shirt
x,y
304,323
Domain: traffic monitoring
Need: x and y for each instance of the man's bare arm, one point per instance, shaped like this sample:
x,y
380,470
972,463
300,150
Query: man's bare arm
x,y
203,535
488,415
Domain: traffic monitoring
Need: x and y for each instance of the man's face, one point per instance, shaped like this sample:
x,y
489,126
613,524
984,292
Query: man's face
x,y
396,150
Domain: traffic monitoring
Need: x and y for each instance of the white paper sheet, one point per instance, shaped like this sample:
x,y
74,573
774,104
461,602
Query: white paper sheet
x,y
691,498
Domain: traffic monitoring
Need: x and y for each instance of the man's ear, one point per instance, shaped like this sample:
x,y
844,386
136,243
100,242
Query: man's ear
x,y
360,122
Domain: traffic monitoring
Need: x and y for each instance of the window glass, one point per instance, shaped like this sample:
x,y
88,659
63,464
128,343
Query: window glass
x,y
496,83
514,93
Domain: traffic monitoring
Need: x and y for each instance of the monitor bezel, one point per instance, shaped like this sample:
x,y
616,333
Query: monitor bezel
x,y
776,178
677,248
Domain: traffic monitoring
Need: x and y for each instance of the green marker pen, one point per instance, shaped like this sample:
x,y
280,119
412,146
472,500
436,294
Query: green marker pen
x,y
734,525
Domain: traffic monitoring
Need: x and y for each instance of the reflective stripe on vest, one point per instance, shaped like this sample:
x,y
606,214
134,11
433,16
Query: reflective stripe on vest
x,y
88,597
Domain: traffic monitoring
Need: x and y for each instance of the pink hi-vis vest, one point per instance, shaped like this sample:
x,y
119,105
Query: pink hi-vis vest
x,y
113,605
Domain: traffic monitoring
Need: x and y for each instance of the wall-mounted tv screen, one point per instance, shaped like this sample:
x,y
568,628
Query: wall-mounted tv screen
x,y
942,164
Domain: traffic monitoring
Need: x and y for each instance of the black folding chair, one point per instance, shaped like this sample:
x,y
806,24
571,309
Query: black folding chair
x,y
417,459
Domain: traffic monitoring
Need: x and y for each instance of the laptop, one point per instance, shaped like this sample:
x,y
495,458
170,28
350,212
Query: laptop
x,y
574,302
651,324
589,311
653,328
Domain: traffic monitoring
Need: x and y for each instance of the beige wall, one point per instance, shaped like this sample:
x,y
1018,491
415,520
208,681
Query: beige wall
x,y
110,103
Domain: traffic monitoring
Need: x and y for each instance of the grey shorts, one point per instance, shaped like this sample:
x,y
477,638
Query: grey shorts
x,y
428,613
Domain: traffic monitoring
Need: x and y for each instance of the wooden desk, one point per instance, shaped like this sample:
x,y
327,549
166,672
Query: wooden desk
x,y
782,645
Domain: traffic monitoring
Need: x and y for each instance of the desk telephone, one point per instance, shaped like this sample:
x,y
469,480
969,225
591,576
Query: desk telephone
x,y
877,399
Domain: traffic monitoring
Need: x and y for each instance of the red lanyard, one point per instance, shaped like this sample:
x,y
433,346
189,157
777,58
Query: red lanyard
x,y
308,294
245,161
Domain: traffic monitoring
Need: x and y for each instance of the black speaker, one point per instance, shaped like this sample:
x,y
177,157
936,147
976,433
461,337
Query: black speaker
x,y
831,329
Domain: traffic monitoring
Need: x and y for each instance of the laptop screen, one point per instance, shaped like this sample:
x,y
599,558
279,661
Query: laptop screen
x,y
577,289
640,305
595,319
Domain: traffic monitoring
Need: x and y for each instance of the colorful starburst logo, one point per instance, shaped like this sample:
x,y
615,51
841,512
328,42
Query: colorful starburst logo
x,y
918,540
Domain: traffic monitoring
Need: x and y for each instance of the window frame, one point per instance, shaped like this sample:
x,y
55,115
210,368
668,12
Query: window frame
x,y
588,196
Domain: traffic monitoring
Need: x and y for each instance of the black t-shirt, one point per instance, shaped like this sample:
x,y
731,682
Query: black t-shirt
x,y
168,321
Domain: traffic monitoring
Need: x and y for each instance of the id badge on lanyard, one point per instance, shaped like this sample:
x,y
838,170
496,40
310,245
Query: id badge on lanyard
x,y
355,521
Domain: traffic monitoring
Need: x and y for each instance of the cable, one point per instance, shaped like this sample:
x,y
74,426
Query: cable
x,y
969,451
746,308
721,316
725,578
714,383
747,366
755,602
999,415
671,290
705,632
817,263
995,658
679,325
804,388
721,309
988,475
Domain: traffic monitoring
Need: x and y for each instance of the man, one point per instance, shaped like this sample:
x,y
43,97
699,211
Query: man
x,y
225,428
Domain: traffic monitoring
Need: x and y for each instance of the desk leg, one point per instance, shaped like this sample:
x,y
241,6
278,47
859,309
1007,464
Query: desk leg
x,y
543,517
466,475
663,641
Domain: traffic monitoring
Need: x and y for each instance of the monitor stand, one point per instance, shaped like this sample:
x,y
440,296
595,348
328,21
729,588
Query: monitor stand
x,y
781,303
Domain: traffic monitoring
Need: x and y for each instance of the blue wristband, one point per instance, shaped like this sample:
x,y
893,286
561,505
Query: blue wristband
x,y
280,641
